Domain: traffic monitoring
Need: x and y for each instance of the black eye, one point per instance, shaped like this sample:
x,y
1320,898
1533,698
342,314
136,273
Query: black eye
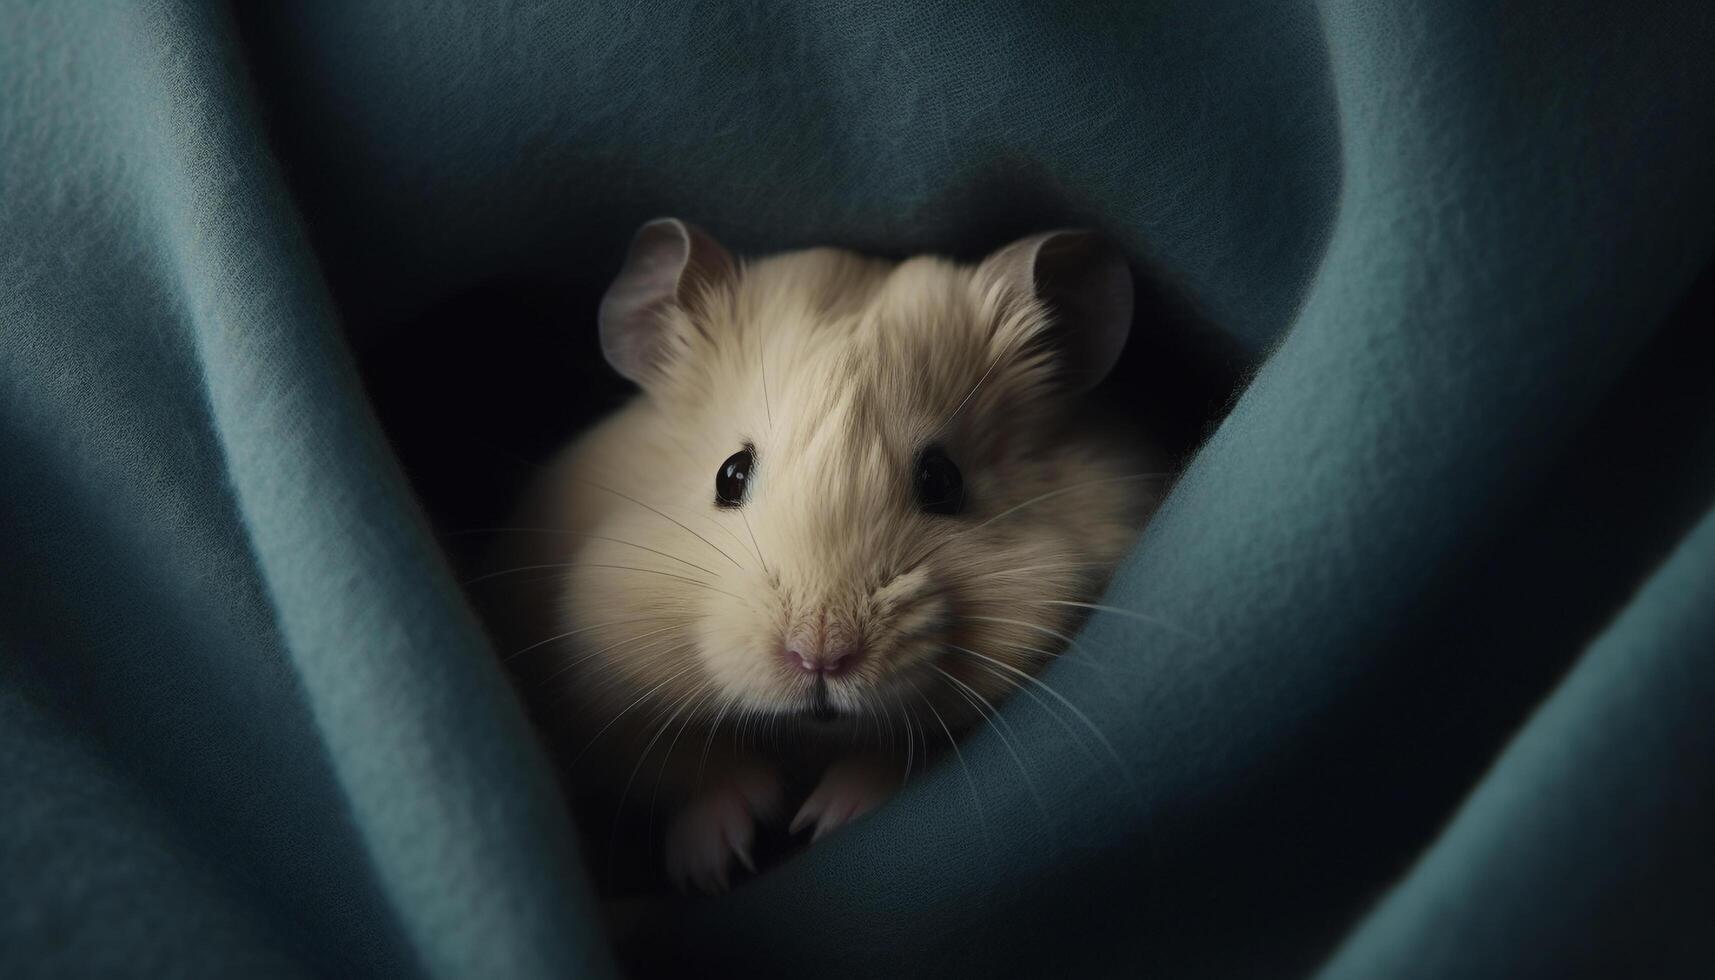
x,y
940,488
732,477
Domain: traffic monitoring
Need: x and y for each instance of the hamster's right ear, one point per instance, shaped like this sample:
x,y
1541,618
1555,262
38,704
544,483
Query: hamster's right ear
x,y
1084,286
669,265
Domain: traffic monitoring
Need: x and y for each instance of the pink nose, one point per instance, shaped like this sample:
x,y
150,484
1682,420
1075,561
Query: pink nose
x,y
830,662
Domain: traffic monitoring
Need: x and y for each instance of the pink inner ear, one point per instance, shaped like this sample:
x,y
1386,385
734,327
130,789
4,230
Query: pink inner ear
x,y
666,260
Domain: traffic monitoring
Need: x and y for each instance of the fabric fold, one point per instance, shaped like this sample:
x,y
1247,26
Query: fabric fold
x,y
1402,680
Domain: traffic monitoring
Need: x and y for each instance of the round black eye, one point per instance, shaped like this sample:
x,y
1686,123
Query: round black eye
x,y
940,488
732,477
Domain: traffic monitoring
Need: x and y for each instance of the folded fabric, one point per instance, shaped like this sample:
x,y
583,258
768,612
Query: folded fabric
x,y
1411,675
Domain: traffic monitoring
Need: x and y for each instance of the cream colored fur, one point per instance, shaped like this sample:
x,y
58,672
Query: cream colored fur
x,y
839,369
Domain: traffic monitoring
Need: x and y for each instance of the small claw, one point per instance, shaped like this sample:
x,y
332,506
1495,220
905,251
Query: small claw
x,y
832,820
847,791
805,814
742,852
715,831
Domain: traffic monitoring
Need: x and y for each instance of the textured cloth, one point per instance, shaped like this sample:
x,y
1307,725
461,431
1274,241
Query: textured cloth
x,y
1413,673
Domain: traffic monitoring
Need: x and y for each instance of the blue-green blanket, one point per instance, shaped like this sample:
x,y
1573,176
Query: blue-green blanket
x,y
1422,680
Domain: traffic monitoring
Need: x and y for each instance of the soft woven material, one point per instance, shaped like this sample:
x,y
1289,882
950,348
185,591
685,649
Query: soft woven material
x,y
1417,664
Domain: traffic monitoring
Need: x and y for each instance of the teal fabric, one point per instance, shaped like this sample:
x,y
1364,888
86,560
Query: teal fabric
x,y
1417,673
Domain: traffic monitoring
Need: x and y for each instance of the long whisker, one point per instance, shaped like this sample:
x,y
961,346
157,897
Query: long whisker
x,y
910,737
690,457
753,543
874,718
1065,490
561,636
576,564
1021,569
619,810
609,648
698,462
739,725
1036,500
716,524
1069,706
922,734
884,717
970,780
996,722
662,514
762,368
578,534
993,363
710,692
670,678
1071,644
1038,627
1133,614
708,743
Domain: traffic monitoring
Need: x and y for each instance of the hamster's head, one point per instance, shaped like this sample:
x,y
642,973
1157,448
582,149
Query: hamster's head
x,y
851,489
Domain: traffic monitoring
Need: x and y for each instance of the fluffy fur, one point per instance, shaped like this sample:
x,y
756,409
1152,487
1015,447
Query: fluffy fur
x,y
669,616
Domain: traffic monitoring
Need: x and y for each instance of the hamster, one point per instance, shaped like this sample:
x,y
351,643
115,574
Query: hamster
x,y
856,503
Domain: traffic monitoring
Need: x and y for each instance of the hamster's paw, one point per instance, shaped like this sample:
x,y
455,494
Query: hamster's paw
x,y
849,789
719,825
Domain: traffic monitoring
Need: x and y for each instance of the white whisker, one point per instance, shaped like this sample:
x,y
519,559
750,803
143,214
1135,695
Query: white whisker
x,y
753,543
639,700
610,647
995,721
970,780
1069,706
708,743
619,810
579,534
1036,500
570,633
576,564
663,516
1115,610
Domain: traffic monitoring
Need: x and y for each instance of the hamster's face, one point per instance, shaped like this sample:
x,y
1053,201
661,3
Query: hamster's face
x,y
850,491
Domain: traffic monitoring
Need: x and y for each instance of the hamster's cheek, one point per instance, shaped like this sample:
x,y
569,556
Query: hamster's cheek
x,y
740,653
913,609
1016,602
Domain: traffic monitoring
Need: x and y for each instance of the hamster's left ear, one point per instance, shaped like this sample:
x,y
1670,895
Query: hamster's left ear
x,y
668,263
1083,285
